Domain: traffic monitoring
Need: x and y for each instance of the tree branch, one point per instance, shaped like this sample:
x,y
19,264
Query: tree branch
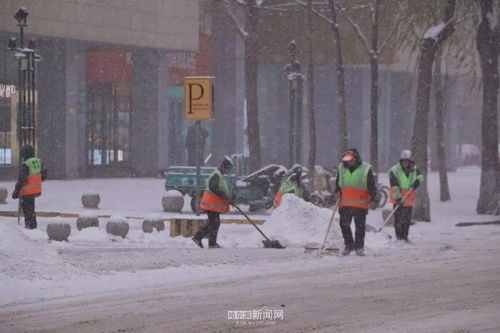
x,y
391,33
316,12
359,32
231,16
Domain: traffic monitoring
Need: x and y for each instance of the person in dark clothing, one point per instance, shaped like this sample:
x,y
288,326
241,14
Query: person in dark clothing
x,y
29,184
404,178
192,142
216,200
355,188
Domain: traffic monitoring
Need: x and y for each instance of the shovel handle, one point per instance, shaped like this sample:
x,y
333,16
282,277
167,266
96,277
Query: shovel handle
x,y
393,211
321,249
249,220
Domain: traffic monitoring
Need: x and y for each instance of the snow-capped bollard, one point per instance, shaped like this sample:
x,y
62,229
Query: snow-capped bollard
x,y
3,195
385,214
153,222
172,201
117,226
58,231
91,199
87,221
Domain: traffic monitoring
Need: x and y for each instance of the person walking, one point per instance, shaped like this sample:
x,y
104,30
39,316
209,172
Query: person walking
x,y
29,184
215,201
355,188
404,179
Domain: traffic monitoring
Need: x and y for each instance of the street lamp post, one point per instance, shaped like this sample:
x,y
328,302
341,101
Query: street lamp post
x,y
293,72
26,58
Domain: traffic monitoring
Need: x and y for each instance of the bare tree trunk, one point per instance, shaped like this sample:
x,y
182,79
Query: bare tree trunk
x,y
374,98
311,161
439,92
251,68
339,70
487,41
427,55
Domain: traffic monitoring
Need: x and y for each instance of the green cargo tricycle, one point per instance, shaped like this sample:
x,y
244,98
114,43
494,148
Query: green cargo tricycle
x,y
256,190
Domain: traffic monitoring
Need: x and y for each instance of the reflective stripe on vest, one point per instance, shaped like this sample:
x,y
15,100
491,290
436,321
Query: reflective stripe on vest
x,y
33,185
354,186
405,183
212,202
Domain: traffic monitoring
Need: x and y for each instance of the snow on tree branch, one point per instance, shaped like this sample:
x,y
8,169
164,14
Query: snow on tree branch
x,y
359,32
433,32
316,12
232,17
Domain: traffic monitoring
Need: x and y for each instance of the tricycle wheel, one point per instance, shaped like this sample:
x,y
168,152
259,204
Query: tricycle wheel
x,y
317,200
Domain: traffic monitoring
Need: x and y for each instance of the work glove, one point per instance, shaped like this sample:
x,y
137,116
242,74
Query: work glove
x,y
399,202
415,185
15,194
373,205
230,201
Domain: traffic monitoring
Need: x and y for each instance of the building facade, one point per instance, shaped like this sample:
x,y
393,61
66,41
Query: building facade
x,y
106,87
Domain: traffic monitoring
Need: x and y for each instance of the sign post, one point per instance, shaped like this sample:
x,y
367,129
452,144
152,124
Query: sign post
x,y
198,106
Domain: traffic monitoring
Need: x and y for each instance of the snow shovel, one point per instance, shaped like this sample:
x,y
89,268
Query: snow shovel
x,y
274,244
392,213
323,249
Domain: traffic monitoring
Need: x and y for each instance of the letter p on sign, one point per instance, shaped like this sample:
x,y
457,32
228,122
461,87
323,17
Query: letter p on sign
x,y
198,98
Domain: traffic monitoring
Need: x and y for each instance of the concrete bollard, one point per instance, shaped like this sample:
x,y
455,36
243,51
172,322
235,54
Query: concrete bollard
x,y
151,223
172,201
58,231
385,214
91,199
87,221
117,226
3,195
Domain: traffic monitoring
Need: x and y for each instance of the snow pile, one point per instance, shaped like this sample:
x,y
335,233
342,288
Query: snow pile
x,y
26,255
296,223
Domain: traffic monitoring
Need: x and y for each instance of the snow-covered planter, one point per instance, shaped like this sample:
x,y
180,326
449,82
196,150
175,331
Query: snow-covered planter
x,y
58,231
153,222
117,226
172,201
385,214
3,195
91,199
87,221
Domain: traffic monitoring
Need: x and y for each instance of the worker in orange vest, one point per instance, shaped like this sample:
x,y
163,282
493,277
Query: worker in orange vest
x,y
29,184
355,188
215,200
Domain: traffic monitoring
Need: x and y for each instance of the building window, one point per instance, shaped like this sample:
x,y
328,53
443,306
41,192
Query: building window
x,y
6,93
108,107
108,123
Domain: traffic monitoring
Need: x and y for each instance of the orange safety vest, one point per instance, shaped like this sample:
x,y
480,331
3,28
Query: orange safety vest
x,y
212,202
410,199
354,187
33,185
277,199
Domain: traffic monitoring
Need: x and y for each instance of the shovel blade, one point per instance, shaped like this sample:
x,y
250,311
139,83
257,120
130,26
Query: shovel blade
x,y
272,244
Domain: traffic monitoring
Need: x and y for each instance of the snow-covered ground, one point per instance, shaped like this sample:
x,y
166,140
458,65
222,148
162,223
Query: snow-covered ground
x,y
446,281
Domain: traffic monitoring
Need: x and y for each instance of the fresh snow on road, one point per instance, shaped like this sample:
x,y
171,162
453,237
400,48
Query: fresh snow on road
x,y
447,280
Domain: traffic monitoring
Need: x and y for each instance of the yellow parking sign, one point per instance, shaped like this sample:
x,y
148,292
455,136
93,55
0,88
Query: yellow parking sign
x,y
198,98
